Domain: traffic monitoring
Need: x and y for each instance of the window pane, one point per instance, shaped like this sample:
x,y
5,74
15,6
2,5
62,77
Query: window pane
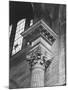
x,y
17,49
17,36
13,52
31,22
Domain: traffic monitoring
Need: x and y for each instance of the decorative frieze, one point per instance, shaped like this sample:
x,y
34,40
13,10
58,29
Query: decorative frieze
x,y
40,31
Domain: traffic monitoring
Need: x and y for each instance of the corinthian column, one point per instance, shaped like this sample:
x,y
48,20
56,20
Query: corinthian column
x,y
38,64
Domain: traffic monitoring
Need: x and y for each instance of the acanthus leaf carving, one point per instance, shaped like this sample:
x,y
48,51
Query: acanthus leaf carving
x,y
37,57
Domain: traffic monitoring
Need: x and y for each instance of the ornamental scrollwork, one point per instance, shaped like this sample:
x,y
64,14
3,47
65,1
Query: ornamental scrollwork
x,y
36,57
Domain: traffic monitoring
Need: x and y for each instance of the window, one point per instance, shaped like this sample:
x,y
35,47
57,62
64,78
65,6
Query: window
x,y
18,38
31,22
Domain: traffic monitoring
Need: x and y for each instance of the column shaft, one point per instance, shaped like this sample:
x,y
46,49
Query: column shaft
x,y
37,79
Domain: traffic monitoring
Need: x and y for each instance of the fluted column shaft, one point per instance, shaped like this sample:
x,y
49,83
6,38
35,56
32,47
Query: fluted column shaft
x,y
37,76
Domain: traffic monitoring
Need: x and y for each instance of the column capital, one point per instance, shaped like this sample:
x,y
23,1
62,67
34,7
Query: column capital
x,y
36,58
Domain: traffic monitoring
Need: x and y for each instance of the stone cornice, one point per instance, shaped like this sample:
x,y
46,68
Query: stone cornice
x,y
34,26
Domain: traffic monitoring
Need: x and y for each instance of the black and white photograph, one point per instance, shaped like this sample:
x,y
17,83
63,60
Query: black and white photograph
x,y
37,44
